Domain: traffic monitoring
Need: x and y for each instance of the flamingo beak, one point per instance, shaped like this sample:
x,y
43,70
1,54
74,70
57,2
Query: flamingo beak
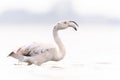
x,y
73,24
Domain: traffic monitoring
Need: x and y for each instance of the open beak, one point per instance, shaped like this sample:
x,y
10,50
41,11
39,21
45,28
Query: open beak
x,y
73,24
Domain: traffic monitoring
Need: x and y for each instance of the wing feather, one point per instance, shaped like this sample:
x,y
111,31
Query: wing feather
x,y
34,49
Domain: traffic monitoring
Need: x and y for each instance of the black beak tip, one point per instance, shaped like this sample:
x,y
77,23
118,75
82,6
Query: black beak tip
x,y
75,29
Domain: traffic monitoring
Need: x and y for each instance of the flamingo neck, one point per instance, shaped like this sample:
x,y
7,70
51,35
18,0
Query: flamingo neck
x,y
61,50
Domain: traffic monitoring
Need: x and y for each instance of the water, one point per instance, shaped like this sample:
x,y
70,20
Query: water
x,y
92,53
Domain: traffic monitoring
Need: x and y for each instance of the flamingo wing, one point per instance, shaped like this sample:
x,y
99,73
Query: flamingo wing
x,y
33,49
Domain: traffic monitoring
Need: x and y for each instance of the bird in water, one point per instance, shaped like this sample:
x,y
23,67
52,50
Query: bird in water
x,y
40,53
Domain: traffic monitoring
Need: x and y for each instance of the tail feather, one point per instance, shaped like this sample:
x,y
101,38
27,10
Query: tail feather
x,y
17,56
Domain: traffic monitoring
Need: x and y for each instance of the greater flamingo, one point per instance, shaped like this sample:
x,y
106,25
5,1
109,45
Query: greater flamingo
x,y
39,53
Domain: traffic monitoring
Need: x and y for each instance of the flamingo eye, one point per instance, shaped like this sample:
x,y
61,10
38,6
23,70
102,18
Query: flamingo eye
x,y
65,22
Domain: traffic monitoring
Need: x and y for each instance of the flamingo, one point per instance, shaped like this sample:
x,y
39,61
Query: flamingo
x,y
40,53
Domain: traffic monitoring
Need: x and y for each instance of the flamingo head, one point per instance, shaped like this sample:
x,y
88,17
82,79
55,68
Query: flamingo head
x,y
65,24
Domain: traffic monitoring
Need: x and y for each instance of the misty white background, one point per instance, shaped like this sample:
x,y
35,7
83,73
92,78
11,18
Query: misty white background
x,y
101,7
92,52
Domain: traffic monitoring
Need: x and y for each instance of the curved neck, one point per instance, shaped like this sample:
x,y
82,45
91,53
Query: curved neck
x,y
61,49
